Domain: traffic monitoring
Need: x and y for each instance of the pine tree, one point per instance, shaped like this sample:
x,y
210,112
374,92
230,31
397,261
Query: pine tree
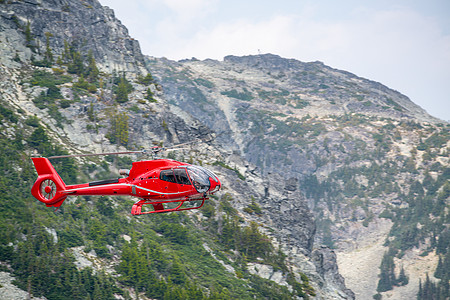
x,y
48,58
65,55
118,132
428,289
76,65
147,80
193,292
420,293
92,71
142,270
149,95
28,36
439,269
387,276
177,274
90,112
122,129
76,287
445,287
402,278
59,61
97,294
228,230
122,91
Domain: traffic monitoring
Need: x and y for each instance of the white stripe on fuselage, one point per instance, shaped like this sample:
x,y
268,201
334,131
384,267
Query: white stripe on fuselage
x,y
120,185
139,187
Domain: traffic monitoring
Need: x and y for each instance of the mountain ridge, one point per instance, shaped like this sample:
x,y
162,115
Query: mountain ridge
x,y
73,22
55,101
292,141
332,135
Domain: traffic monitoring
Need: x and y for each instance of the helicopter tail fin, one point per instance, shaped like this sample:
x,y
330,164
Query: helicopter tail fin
x,y
49,188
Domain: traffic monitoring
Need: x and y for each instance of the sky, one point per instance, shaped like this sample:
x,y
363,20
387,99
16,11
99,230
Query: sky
x,y
403,44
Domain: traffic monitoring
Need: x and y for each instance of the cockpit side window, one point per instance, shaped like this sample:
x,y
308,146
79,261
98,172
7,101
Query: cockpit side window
x,y
181,176
167,175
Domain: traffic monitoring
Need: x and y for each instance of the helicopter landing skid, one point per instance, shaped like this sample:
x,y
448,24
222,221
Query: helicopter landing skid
x,y
158,206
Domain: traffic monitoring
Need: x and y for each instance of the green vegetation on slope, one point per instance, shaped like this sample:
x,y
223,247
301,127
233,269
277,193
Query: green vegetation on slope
x,y
165,257
414,188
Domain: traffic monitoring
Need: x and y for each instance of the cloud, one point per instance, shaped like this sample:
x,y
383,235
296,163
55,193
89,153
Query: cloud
x,y
239,38
402,49
190,9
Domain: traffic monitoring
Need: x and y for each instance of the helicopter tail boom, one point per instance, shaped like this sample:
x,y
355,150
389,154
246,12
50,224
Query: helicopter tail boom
x,y
49,188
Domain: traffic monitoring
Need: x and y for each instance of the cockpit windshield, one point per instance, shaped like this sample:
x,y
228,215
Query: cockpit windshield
x,y
200,178
210,174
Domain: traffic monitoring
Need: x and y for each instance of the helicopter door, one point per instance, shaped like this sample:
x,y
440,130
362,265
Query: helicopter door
x,y
184,184
168,182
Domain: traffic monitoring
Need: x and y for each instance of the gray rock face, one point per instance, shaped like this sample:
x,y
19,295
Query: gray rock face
x,y
193,108
290,212
287,220
325,260
260,105
84,24
351,143
11,292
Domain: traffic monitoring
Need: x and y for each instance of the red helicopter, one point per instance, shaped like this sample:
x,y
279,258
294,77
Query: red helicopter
x,y
156,182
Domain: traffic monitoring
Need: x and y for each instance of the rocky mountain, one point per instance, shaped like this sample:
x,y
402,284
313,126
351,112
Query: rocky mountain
x,y
86,25
317,165
72,80
357,148
233,97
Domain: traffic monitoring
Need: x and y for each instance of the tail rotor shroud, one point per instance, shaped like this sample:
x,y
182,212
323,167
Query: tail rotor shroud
x,y
48,189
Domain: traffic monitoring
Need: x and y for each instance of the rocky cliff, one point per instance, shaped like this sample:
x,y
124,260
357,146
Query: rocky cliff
x,y
364,156
53,97
86,25
247,99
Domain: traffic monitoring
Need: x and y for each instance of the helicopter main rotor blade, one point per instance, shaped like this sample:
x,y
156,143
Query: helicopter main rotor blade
x,y
176,149
182,144
96,154
153,150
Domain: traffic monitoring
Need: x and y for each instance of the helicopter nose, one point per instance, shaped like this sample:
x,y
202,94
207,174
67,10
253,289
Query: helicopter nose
x,y
215,185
